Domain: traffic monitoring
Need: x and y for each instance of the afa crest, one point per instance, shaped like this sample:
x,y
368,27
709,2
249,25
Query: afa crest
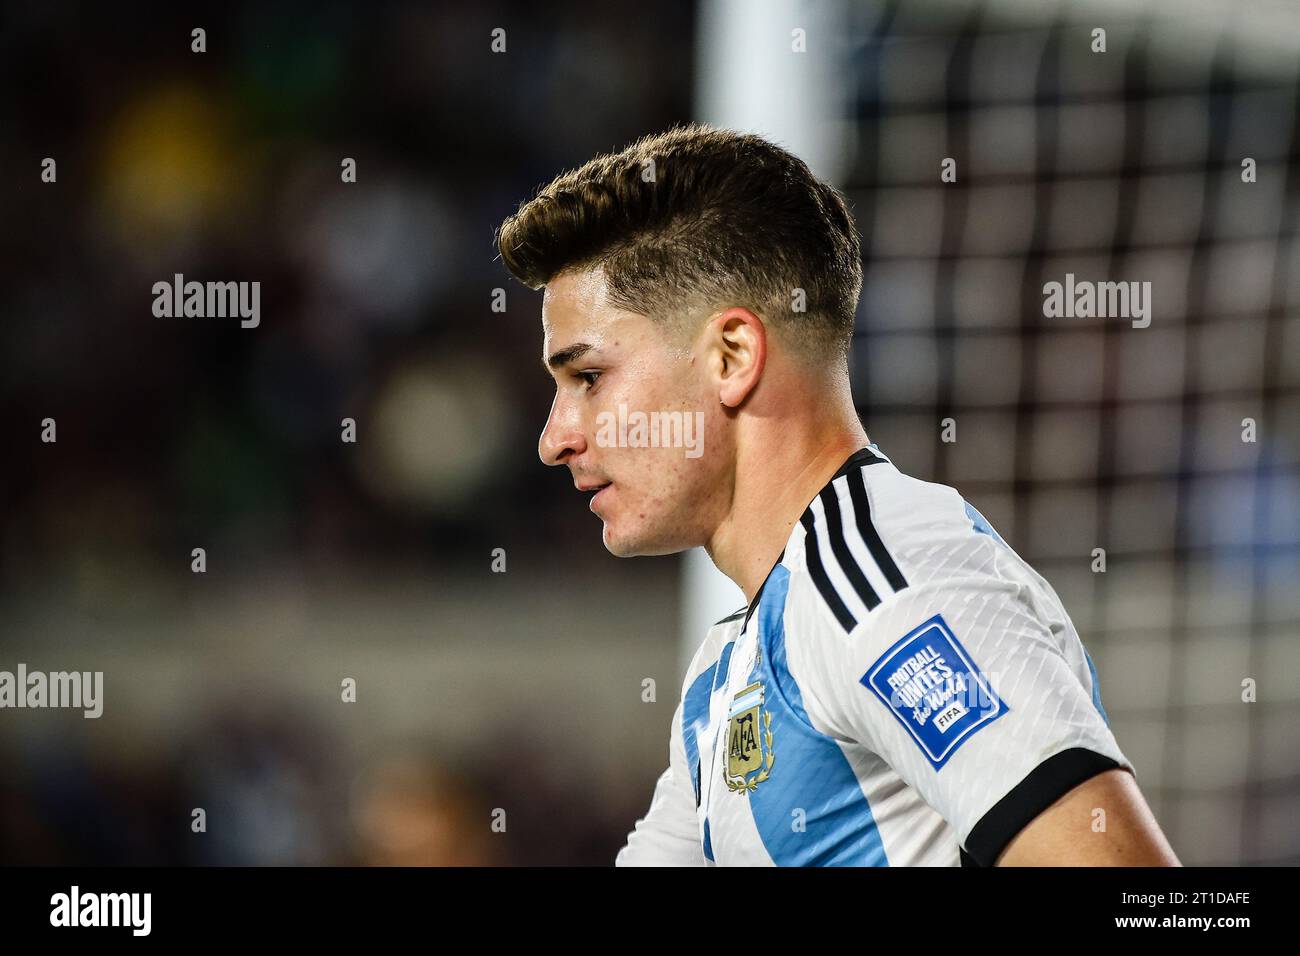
x,y
750,754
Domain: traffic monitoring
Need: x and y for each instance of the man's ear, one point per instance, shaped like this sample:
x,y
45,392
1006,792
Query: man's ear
x,y
736,346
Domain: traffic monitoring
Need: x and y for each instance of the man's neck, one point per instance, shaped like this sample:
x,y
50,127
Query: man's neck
x,y
774,485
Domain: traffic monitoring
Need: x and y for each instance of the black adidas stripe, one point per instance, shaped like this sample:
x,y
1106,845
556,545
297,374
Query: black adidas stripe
x,y
840,548
818,572
862,511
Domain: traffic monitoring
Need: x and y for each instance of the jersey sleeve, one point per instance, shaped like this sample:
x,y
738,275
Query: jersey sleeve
x,y
668,835
976,702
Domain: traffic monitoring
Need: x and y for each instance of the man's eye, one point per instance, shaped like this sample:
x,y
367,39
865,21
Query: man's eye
x,y
589,377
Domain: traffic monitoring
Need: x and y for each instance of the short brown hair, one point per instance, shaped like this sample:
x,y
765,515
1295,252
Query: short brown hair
x,y
727,219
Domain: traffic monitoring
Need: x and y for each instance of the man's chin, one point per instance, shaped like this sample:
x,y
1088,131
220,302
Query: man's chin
x,y
636,546
620,546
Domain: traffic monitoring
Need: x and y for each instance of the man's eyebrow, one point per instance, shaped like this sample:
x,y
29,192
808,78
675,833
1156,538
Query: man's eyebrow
x,y
566,355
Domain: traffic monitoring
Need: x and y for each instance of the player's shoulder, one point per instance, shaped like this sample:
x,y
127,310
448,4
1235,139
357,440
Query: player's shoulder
x,y
874,532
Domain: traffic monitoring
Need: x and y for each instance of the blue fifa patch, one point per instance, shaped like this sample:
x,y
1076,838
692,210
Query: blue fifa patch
x,y
934,689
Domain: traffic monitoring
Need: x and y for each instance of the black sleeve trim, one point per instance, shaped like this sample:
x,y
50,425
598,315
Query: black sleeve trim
x,y
1046,783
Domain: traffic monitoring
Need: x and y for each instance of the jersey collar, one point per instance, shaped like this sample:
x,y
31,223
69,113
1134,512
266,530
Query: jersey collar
x,y
868,455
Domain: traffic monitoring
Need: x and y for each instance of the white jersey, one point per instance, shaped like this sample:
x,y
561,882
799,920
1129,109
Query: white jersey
x,y
904,690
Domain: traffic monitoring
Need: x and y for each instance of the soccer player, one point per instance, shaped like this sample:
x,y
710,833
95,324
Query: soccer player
x,y
902,688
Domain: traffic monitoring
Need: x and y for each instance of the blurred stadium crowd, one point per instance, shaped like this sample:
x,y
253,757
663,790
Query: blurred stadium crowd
x,y
172,435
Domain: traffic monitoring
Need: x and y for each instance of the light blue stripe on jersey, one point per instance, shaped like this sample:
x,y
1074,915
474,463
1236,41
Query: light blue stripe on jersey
x,y
695,717
1096,688
809,772
724,661
981,523
695,713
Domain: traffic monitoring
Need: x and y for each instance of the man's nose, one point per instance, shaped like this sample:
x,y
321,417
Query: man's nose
x,y
561,438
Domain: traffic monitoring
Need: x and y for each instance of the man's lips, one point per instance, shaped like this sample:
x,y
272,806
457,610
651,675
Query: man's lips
x,y
596,486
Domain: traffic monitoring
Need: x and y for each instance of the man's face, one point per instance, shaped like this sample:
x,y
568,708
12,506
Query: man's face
x,y
613,370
